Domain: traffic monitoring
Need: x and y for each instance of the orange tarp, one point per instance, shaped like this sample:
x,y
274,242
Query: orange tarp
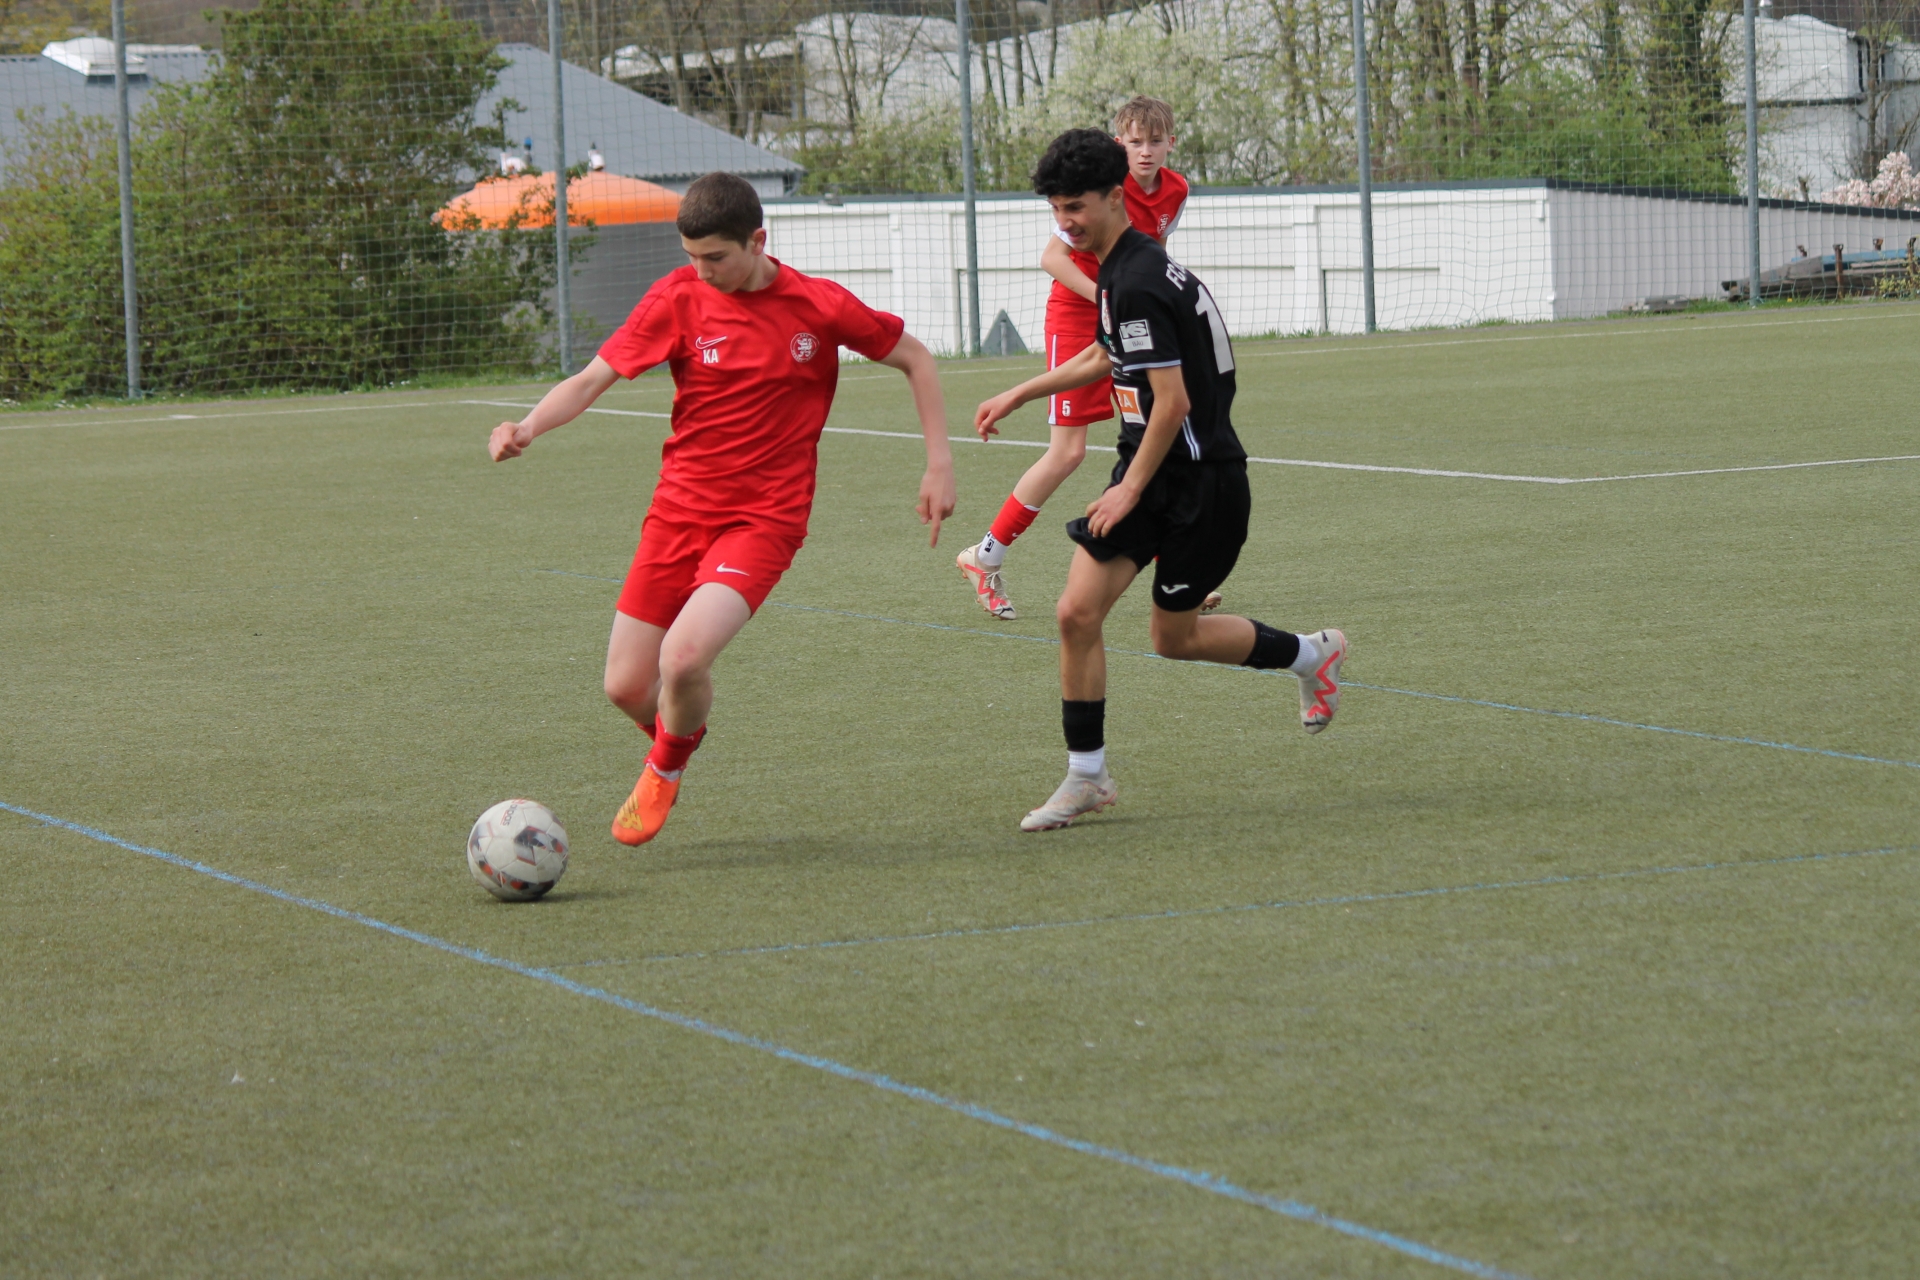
x,y
604,199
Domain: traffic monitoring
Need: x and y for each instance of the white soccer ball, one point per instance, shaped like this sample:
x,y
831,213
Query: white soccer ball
x,y
518,850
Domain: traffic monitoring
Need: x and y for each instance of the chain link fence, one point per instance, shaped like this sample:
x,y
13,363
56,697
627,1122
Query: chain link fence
x,y
325,194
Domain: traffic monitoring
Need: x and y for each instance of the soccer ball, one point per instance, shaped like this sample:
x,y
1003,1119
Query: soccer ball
x,y
518,850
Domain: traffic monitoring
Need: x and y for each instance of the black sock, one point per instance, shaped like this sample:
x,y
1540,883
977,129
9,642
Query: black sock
x,y
1085,723
1272,648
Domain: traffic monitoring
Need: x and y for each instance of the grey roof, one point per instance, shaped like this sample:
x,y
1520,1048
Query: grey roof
x,y
639,137
31,80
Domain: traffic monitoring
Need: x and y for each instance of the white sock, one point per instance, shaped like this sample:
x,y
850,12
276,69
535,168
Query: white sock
x,y
1307,659
1087,764
991,553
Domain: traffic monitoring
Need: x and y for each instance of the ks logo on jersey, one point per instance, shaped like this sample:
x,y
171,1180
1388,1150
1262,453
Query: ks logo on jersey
x,y
709,349
803,346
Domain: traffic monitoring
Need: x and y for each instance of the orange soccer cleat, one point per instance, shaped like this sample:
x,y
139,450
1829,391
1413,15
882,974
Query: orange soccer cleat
x,y
645,811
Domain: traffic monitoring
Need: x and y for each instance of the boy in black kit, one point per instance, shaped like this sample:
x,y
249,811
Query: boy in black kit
x,y
1179,492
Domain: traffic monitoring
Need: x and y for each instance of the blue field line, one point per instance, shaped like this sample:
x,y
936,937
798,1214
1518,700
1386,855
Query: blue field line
x,y
1284,904
1345,684
1196,1178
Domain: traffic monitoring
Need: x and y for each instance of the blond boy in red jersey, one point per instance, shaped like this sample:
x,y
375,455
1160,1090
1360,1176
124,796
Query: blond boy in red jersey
x,y
753,346
1155,196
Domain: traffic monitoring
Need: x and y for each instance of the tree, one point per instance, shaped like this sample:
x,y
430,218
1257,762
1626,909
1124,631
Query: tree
x,y
28,26
284,216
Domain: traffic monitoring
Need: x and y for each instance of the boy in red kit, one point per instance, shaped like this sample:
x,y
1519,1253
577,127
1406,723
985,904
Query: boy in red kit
x,y
1155,196
754,350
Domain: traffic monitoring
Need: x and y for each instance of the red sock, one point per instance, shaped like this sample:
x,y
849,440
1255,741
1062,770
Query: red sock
x,y
670,750
1014,518
647,728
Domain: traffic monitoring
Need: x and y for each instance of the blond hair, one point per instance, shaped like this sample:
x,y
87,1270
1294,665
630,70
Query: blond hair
x,y
1151,114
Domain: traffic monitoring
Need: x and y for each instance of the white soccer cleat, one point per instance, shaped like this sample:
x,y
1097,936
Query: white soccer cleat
x,y
1320,691
1076,796
988,587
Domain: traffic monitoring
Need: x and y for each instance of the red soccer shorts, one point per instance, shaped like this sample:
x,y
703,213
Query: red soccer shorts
x,y
1086,405
680,551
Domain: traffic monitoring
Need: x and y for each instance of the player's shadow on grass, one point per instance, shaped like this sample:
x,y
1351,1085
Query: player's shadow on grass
x,y
589,893
953,845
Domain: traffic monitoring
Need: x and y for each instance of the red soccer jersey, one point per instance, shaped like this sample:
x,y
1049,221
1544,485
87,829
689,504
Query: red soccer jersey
x,y
753,377
1156,215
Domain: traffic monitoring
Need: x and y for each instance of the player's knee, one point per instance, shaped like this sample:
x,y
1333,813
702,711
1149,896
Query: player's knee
x,y
1077,617
625,690
1067,457
1175,642
682,668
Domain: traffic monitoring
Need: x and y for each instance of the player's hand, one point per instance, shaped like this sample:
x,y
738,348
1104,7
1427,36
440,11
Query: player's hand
x,y
1109,509
991,411
509,440
936,499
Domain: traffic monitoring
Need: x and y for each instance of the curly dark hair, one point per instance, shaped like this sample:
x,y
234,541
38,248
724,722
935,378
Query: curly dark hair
x,y
1080,161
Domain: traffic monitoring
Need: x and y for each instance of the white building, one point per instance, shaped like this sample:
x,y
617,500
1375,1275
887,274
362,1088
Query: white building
x,y
1816,92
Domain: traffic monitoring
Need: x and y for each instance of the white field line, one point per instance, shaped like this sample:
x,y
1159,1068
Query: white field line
x,y
1041,444
1422,471
244,413
618,413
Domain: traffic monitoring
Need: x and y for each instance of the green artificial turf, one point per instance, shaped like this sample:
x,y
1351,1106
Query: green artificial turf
x,y
1660,1022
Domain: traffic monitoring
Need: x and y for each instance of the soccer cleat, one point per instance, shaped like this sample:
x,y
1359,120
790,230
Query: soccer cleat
x,y
988,587
1076,796
1211,603
1320,691
645,811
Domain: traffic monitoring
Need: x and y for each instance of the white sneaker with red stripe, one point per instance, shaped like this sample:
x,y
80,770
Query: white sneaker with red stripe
x,y
1320,689
988,587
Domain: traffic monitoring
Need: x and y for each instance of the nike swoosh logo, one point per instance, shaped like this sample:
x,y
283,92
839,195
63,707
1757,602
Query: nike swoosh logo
x,y
1178,586
720,568
707,343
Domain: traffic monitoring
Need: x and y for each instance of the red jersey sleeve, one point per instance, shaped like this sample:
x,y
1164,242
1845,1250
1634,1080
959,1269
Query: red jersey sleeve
x,y
651,335
861,329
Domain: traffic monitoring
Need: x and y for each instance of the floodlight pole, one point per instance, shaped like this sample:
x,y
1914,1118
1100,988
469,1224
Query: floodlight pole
x,y
562,302
961,20
1363,145
123,140
1753,163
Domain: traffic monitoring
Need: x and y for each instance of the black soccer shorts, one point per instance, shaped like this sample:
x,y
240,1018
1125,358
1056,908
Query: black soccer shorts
x,y
1192,518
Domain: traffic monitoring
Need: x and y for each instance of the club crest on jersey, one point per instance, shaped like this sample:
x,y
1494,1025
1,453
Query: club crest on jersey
x,y
803,346
1106,317
709,349
1135,336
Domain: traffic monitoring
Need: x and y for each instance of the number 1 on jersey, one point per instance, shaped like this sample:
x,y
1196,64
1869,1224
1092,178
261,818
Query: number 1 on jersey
x,y
1222,348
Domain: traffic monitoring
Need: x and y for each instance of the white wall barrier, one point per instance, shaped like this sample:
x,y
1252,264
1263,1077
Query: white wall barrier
x,y
1287,260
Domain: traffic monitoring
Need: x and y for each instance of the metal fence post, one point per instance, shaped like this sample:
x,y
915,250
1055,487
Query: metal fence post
x,y
1753,162
966,178
1363,144
124,145
562,281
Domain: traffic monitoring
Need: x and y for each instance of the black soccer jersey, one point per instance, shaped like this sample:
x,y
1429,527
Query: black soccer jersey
x,y
1155,314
